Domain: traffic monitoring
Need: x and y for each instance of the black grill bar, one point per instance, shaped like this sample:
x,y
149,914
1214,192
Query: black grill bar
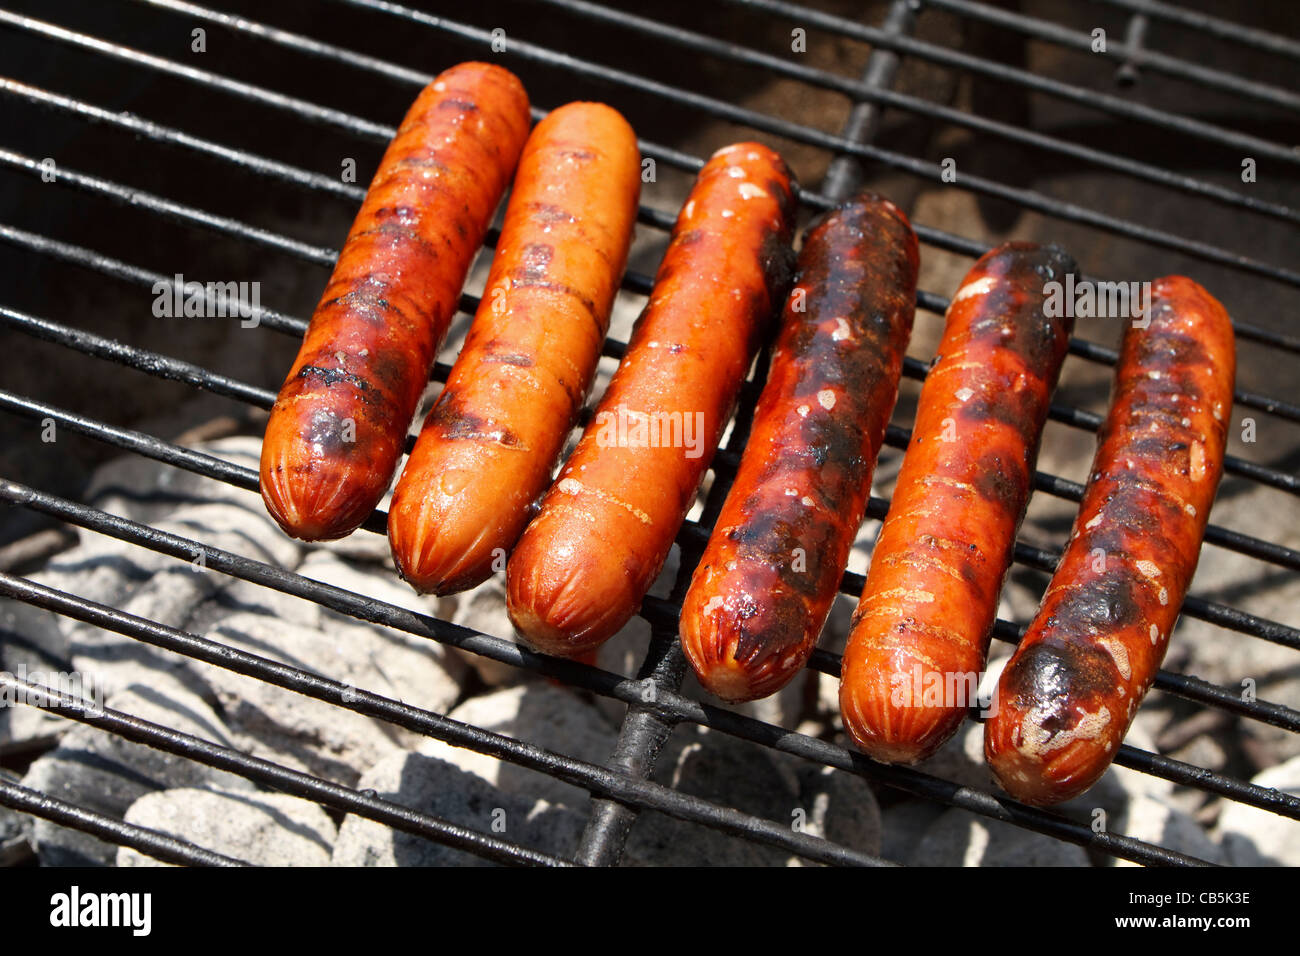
x,y
934,237
845,173
160,846
641,738
166,367
1140,56
629,691
309,180
1090,98
266,772
305,179
317,114
895,438
718,108
873,90
152,363
174,137
175,211
1223,29
632,281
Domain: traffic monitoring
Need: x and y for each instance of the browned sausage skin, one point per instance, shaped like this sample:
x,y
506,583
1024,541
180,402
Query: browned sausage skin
x,y
921,632
773,564
1067,696
339,424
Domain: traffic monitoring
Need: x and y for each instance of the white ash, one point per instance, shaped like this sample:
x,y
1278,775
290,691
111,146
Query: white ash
x,y
541,714
445,791
264,829
1255,837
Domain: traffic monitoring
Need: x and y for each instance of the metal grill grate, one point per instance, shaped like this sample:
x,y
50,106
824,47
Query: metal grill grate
x,y
622,789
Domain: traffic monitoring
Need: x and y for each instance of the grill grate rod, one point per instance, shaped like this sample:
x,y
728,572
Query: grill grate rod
x,y
305,179
632,281
614,686
636,282
158,845
895,437
160,133
591,777
1139,56
1222,29
1089,98
692,537
864,91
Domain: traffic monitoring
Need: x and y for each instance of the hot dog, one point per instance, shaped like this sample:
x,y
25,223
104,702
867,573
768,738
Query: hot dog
x,y
772,567
339,423
605,528
1068,694
920,635
491,441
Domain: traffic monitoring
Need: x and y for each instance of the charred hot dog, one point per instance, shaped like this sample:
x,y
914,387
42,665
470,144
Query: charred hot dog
x,y
772,568
1067,696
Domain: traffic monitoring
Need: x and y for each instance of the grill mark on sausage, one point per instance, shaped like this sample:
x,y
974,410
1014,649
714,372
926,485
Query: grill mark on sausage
x,y
519,279
1051,672
549,213
535,258
1101,604
332,376
397,234
1005,484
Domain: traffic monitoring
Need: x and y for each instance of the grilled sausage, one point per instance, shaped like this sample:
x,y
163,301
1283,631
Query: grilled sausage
x,y
920,635
1068,694
339,423
605,528
490,443
772,567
